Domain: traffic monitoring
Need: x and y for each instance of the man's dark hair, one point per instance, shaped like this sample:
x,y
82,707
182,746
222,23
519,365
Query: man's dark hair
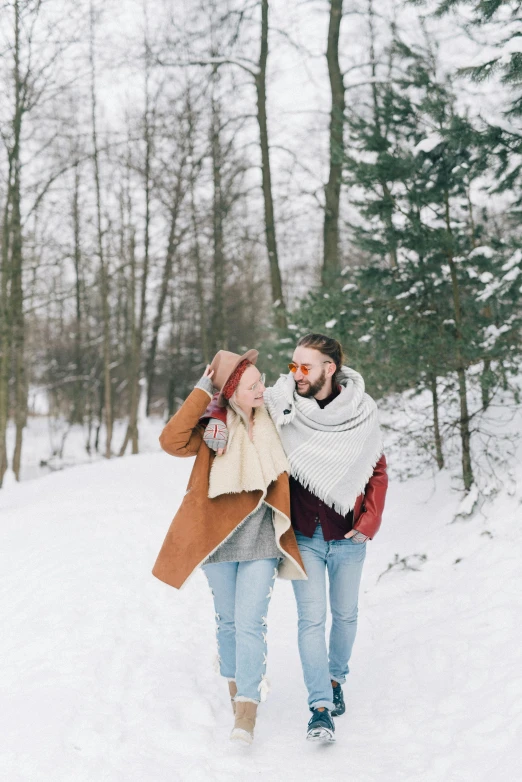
x,y
327,345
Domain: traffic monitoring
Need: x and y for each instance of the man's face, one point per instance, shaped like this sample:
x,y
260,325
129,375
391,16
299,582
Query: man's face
x,y
320,370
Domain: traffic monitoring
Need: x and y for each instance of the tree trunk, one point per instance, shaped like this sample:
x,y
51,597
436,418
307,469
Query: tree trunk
x,y
391,239
18,325
5,327
172,246
131,435
388,201
332,191
271,243
472,228
200,292
104,276
486,379
78,410
465,434
175,340
138,333
436,427
218,214
17,295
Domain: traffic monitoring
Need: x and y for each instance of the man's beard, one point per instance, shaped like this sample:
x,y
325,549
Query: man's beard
x,y
313,388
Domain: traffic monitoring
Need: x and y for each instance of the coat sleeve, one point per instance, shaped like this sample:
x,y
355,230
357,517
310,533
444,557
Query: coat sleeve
x,y
373,504
183,434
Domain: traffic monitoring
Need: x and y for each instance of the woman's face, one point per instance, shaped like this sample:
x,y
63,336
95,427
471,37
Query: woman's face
x,y
249,392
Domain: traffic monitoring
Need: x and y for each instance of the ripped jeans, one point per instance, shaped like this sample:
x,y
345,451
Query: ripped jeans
x,y
242,592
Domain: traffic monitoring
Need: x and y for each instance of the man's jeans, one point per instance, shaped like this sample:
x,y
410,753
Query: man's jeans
x,y
344,560
242,592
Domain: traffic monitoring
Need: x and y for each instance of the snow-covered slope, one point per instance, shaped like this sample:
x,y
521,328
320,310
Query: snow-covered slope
x,y
107,674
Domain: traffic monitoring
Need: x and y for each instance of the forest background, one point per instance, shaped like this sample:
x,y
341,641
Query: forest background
x,y
179,177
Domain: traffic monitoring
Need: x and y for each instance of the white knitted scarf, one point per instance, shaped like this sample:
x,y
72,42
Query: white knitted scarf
x,y
332,451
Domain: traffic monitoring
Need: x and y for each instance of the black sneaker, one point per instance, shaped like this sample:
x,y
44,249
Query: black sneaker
x,y
321,726
339,704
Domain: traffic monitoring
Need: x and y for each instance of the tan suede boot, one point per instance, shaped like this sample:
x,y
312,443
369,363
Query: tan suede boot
x,y
232,688
245,721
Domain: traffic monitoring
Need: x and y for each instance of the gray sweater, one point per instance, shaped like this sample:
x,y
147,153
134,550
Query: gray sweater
x,y
254,538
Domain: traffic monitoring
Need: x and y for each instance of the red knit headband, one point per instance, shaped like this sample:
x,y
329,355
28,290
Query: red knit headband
x,y
233,381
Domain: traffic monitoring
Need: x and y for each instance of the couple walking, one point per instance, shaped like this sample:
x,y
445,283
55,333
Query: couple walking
x,y
288,481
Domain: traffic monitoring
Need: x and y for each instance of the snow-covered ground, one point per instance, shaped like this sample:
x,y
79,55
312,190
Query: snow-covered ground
x,y
51,444
106,674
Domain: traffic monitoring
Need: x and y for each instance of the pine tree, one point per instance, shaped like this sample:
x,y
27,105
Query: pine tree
x,y
423,308
499,21
502,18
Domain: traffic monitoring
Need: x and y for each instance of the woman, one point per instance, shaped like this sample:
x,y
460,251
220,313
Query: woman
x,y
234,520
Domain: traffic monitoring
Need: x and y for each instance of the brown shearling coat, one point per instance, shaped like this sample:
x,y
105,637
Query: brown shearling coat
x,y
202,524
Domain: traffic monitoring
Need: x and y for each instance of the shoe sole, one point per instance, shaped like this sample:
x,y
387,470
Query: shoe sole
x,y
238,734
337,713
323,735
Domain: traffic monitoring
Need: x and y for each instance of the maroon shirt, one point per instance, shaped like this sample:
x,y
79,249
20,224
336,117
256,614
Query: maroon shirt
x,y
307,510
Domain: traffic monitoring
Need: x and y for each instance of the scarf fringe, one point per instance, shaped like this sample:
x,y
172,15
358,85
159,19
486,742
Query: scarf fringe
x,y
310,484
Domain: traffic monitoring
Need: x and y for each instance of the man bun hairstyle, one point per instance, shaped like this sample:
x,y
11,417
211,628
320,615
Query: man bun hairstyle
x,y
327,345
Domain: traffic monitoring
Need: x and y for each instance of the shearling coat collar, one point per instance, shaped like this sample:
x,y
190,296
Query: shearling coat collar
x,y
203,523
248,465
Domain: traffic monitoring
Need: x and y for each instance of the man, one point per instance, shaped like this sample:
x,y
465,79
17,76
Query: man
x,y
330,432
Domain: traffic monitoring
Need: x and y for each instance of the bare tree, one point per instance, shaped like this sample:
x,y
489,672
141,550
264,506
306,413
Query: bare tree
x,y
271,243
78,409
5,324
176,196
218,217
332,191
30,81
104,274
138,331
258,72
195,168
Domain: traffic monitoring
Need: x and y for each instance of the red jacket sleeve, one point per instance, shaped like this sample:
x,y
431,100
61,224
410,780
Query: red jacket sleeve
x,y
373,503
214,411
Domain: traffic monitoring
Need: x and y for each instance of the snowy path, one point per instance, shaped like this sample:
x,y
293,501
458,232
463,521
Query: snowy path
x,y
107,675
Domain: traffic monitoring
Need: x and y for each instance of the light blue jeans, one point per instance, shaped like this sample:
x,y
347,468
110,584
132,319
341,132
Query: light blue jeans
x,y
242,592
344,561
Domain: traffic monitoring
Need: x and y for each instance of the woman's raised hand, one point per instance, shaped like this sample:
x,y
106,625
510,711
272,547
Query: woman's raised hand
x,y
216,436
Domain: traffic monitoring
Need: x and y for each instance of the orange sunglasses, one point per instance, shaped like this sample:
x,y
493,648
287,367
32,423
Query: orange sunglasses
x,y
304,369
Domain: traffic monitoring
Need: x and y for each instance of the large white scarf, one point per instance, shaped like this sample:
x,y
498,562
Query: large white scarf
x,y
332,451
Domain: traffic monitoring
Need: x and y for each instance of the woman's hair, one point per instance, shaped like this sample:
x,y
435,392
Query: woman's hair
x,y
238,410
232,400
327,345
